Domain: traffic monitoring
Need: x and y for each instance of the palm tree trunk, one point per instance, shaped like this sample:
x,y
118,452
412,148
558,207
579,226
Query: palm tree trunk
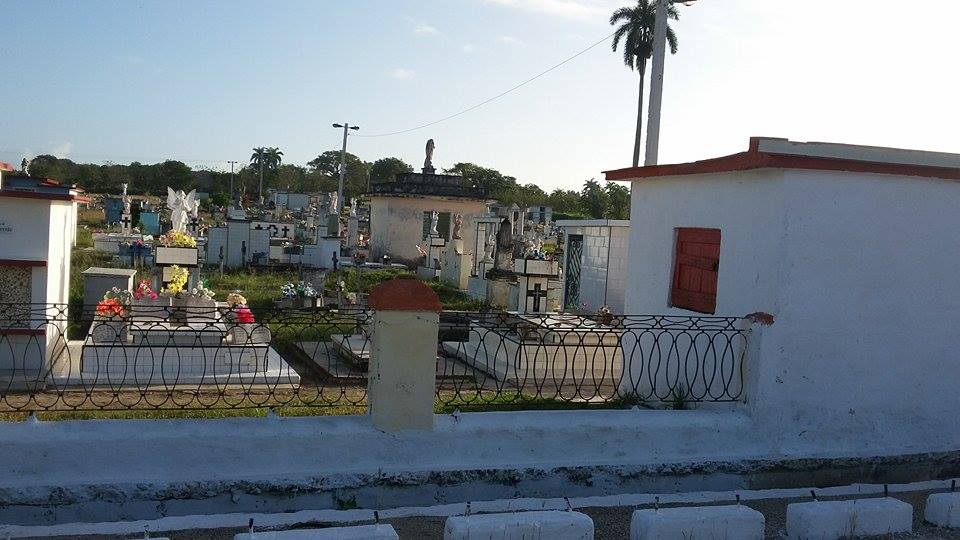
x,y
642,68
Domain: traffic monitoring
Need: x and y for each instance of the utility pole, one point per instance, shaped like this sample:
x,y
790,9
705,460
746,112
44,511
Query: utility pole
x,y
261,177
656,82
231,180
343,162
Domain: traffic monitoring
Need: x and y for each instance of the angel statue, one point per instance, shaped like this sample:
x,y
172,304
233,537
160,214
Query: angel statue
x,y
126,200
181,205
434,221
334,202
353,207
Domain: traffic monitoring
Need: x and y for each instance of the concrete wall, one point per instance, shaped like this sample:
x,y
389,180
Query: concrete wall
x,y
859,272
396,223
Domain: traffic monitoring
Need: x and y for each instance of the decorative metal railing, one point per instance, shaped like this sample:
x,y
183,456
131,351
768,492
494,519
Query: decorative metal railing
x,y
188,357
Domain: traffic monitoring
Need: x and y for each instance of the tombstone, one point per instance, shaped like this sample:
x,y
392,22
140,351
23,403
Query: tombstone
x,y
504,247
353,230
97,281
456,265
534,278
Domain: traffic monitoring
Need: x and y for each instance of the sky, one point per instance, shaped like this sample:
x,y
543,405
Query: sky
x,y
206,81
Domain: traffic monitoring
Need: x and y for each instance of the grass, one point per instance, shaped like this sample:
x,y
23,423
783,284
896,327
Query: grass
x,y
451,298
260,287
448,404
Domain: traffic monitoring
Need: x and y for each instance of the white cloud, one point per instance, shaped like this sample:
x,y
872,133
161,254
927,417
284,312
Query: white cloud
x,y
508,40
424,29
402,73
571,9
469,49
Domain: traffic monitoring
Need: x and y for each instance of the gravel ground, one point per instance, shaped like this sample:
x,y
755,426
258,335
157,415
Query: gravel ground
x,y
610,523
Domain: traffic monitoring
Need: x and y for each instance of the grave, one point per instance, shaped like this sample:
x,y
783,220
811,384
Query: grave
x,y
430,269
456,265
595,263
943,509
152,345
523,349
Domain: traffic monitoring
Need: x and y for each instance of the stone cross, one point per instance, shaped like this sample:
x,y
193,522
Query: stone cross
x,y
125,221
285,230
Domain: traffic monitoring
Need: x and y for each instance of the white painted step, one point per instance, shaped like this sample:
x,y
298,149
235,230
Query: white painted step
x,y
943,509
359,532
546,525
721,522
844,519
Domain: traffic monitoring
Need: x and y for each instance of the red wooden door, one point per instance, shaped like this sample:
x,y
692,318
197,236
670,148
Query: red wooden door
x,y
695,268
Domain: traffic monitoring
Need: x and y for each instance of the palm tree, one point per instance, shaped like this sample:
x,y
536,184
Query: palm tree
x,y
636,32
266,158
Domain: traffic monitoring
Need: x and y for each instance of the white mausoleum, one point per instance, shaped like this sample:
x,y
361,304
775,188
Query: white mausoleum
x,y
38,226
854,250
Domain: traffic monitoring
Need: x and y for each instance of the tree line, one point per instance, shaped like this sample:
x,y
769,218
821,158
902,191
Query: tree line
x,y
321,174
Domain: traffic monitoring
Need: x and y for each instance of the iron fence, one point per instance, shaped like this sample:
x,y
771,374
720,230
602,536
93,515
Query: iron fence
x,y
188,357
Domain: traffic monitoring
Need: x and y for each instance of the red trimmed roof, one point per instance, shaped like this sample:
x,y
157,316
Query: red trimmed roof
x,y
756,157
4,166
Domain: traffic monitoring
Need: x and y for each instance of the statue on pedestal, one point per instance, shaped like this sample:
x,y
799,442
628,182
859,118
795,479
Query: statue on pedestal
x,y
504,260
428,163
126,200
434,221
180,205
353,207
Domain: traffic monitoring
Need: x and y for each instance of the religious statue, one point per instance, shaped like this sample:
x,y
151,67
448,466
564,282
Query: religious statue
x,y
23,165
126,200
334,202
488,247
353,207
457,226
180,204
428,163
434,221
504,260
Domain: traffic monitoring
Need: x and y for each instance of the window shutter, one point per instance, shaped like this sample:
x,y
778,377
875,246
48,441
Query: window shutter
x,y
695,269
426,225
443,225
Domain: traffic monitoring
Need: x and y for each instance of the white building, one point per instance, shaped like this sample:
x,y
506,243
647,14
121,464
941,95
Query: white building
x,y
854,250
400,213
38,226
594,263
540,214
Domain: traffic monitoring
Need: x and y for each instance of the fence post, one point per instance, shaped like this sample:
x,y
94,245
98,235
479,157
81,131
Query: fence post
x,y
755,324
402,379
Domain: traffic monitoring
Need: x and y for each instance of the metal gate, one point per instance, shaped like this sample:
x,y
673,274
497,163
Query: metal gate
x,y
572,272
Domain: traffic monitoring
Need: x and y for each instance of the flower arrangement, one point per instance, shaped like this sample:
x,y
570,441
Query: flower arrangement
x,y
243,314
144,290
301,290
178,279
111,308
122,296
235,299
177,239
202,292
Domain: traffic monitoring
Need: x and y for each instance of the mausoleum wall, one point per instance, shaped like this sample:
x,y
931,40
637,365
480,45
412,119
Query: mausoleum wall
x,y
396,223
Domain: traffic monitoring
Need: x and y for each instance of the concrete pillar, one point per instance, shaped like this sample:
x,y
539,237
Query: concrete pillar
x,y
403,356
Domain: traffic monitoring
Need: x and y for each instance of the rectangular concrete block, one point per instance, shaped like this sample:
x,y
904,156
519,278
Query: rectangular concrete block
x,y
727,522
845,519
943,509
360,532
553,525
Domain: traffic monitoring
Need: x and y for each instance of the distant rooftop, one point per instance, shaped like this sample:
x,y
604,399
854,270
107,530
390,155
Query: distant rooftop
x,y
770,152
438,185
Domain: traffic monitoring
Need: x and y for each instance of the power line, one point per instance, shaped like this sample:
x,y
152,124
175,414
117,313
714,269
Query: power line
x,y
488,100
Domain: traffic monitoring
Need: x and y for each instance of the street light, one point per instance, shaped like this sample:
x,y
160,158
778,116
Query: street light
x,y
343,162
656,79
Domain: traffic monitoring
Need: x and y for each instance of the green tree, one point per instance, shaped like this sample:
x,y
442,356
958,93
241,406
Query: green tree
x,y
498,186
386,169
565,201
529,195
325,170
618,201
594,199
265,159
636,33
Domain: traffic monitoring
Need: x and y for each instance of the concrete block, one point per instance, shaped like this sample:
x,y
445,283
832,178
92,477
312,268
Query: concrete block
x,y
729,522
359,532
943,509
844,519
555,525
